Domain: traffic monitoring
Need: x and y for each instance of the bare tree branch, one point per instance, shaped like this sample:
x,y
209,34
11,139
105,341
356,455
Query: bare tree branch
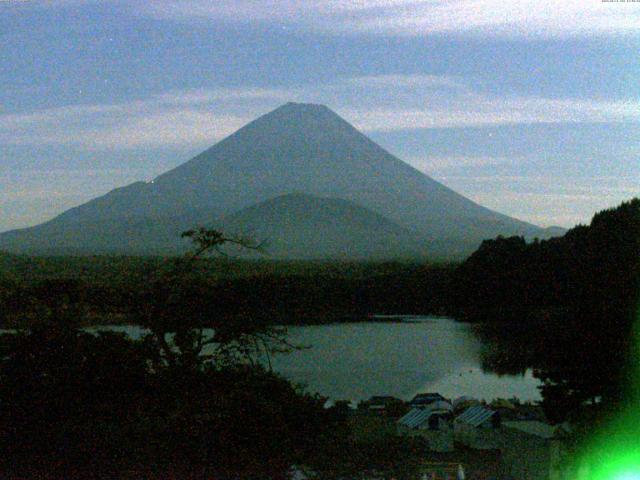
x,y
206,240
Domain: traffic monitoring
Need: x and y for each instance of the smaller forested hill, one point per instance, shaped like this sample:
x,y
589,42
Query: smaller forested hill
x,y
304,226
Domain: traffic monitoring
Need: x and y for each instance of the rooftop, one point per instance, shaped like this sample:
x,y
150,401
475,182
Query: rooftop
x,y
475,416
424,398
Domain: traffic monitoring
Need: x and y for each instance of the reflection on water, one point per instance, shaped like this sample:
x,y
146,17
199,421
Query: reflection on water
x,y
357,360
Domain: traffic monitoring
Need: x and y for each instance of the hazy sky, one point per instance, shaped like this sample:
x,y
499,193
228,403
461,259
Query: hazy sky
x,y
530,107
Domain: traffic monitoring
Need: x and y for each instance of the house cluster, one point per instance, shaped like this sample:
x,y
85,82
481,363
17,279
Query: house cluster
x,y
501,440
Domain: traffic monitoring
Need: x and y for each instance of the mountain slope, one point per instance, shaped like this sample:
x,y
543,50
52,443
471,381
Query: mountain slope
x,y
295,148
299,226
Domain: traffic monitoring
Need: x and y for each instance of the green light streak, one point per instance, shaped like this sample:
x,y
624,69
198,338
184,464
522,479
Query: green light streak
x,y
614,452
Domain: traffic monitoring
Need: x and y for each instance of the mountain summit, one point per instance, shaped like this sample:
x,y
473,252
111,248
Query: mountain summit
x,y
302,148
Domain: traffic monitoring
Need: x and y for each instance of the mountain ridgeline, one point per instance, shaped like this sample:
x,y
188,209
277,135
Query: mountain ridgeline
x,y
299,177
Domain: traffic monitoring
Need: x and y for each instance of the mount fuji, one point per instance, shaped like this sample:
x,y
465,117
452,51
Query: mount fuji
x,y
300,174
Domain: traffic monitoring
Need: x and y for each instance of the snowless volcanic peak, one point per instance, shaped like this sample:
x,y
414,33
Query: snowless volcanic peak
x,y
296,148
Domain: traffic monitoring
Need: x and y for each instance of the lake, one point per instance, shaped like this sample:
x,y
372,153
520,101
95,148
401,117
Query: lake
x,y
419,354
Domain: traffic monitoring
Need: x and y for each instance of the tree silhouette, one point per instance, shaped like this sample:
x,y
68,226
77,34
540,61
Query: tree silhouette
x,y
178,403
566,305
180,309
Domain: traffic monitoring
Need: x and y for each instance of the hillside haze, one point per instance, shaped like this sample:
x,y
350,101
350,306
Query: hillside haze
x,y
301,148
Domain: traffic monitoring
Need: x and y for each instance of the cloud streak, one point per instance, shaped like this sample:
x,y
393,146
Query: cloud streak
x,y
546,200
478,111
524,18
394,102
440,164
168,119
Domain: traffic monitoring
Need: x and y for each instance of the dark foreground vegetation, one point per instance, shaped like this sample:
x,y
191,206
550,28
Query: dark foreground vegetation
x,y
77,405
177,403
180,404
566,306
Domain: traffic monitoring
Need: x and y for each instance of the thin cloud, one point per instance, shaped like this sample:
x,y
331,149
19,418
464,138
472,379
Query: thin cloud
x,y
393,103
429,164
107,130
397,81
168,119
480,111
541,18
167,128
546,200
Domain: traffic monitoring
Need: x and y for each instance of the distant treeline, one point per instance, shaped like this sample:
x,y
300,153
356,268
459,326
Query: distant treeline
x,y
109,290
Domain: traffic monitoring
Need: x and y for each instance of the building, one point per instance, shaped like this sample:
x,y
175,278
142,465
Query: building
x,y
460,404
424,399
384,405
435,417
532,449
478,417
433,423
474,426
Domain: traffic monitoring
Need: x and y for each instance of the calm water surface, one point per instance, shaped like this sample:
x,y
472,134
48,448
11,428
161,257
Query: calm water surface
x,y
356,360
